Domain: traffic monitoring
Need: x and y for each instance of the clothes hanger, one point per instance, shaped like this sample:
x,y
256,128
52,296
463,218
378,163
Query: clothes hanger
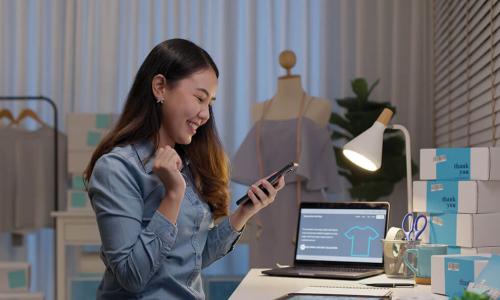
x,y
5,113
28,113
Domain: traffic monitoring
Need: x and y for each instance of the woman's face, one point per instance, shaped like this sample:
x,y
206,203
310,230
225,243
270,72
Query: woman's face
x,y
186,106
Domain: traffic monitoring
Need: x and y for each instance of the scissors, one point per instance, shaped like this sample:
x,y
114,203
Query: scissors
x,y
413,226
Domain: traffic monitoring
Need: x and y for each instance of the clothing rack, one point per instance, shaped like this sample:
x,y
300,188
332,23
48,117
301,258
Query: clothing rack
x,y
56,154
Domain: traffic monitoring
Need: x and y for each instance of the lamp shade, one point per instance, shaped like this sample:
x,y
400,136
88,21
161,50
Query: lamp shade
x,y
365,150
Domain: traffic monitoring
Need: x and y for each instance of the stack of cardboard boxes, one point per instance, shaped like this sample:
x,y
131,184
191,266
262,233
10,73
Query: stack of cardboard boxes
x,y
459,191
15,282
85,131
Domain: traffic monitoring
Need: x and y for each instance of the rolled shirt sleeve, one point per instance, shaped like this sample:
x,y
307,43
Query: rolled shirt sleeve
x,y
133,253
220,241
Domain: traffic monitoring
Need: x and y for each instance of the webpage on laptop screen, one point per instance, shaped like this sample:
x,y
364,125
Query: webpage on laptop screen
x,y
343,235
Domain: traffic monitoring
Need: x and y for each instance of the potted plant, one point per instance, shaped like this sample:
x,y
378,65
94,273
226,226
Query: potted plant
x,y
359,116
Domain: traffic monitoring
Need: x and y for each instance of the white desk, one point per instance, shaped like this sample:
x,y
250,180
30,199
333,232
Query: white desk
x,y
75,229
262,287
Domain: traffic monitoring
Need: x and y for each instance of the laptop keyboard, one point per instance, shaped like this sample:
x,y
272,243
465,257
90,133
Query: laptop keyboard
x,y
332,269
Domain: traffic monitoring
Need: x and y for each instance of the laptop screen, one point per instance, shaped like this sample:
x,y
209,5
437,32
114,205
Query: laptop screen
x,y
341,234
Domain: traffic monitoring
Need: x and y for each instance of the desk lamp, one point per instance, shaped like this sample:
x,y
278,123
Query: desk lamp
x,y
365,150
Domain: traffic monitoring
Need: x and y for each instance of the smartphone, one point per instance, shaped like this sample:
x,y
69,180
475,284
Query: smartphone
x,y
291,167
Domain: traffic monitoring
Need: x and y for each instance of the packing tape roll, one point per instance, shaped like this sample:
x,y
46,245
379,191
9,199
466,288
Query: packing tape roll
x,y
393,234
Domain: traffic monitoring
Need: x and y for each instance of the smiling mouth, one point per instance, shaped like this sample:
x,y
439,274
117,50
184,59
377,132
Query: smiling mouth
x,y
193,125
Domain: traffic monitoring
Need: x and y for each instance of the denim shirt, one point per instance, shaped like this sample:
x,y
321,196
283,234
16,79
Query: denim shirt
x,y
146,256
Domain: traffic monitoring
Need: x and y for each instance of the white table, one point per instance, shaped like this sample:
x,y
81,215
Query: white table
x,y
262,287
73,228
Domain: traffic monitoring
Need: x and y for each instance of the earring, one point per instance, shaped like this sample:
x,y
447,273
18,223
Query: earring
x,y
160,100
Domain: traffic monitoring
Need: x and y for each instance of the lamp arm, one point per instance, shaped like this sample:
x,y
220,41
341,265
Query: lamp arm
x,y
409,184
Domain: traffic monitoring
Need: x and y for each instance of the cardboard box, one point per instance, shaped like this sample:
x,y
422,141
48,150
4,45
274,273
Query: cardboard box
x,y
21,296
75,182
90,263
78,161
83,287
78,200
478,163
472,251
14,277
450,274
85,139
79,121
440,196
464,230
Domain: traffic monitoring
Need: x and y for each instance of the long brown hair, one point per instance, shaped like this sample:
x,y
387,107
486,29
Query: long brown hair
x,y
175,59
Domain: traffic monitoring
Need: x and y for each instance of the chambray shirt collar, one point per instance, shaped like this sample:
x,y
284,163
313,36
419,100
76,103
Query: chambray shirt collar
x,y
144,149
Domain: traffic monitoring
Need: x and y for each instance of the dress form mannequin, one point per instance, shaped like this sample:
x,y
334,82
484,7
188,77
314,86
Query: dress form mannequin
x,y
286,102
291,126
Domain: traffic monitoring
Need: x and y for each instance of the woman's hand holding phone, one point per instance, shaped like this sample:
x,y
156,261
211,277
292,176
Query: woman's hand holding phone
x,y
273,179
261,194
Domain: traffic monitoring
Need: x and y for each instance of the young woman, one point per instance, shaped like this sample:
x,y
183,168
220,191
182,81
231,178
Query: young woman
x,y
160,178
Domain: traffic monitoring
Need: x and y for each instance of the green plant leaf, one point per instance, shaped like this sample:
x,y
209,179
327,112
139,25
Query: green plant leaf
x,y
467,295
338,120
336,135
360,89
372,87
393,145
349,103
353,104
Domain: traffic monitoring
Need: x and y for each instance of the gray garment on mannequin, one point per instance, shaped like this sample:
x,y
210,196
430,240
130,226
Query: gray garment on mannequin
x,y
31,190
317,171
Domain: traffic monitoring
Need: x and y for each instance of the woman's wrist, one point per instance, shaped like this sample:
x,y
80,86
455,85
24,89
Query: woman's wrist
x,y
169,207
238,219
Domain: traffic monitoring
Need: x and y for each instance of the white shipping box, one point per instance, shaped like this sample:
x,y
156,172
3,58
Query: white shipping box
x,y
21,296
477,163
441,196
78,200
450,274
14,277
78,161
464,230
473,251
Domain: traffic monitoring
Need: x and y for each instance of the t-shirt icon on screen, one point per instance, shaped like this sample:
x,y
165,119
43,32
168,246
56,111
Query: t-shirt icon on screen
x,y
361,239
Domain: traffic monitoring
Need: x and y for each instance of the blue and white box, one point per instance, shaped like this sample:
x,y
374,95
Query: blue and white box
x,y
451,274
441,196
14,277
464,230
472,251
477,163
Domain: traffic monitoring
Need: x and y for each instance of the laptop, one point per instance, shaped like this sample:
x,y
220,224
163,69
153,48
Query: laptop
x,y
338,240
